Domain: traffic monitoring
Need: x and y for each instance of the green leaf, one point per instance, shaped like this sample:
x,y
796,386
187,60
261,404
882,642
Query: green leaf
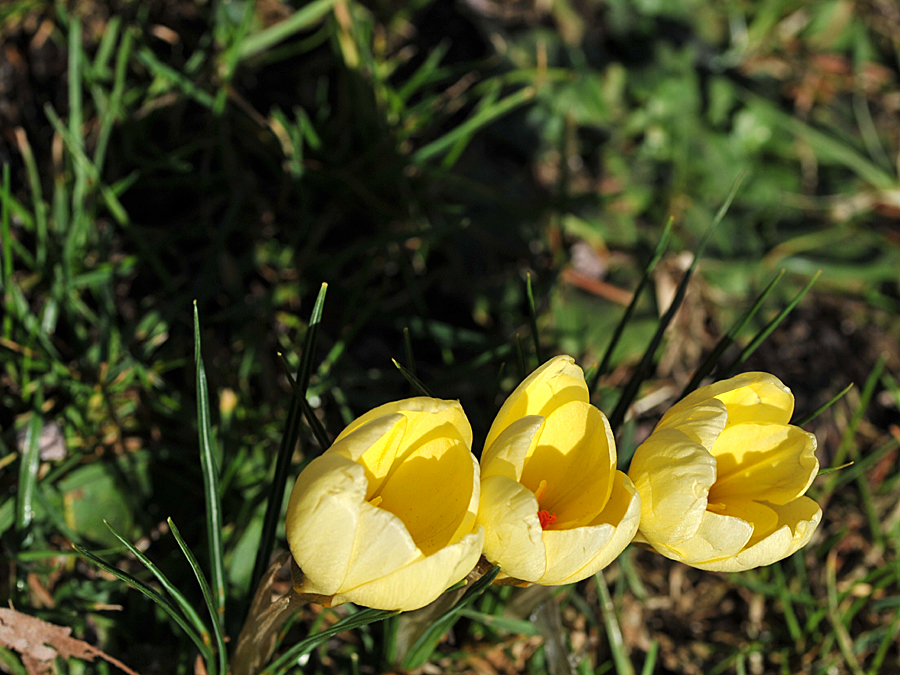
x,y
154,595
661,245
289,440
414,381
726,341
210,480
208,597
298,21
760,337
644,367
357,620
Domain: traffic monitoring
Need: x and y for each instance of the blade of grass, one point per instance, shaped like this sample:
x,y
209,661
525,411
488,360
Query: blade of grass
x,y
74,147
76,120
28,473
289,441
154,595
726,341
289,658
109,115
520,357
645,366
613,631
650,662
186,608
661,246
407,348
414,381
760,337
207,597
6,241
475,122
818,411
532,318
316,425
164,72
845,643
298,21
39,206
210,480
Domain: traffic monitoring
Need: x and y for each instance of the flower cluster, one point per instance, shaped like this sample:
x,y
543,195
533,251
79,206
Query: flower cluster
x,y
398,509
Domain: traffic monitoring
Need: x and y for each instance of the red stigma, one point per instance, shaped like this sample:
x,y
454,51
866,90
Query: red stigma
x,y
547,519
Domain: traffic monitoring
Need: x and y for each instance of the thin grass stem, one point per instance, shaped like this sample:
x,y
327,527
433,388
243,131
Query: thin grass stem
x,y
210,471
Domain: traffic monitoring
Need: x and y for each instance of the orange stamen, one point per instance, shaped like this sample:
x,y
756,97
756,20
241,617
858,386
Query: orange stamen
x,y
547,519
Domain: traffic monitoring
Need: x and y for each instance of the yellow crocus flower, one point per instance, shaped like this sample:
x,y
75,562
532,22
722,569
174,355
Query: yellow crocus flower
x,y
553,506
385,517
722,477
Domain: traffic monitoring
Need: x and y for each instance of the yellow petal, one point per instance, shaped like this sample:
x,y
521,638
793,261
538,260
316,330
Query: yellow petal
x,y
322,518
512,530
382,546
719,537
378,440
757,397
770,462
431,490
420,582
576,456
553,384
673,475
797,522
702,422
602,541
506,455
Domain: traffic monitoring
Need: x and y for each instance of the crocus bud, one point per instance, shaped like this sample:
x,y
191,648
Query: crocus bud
x,y
385,517
722,477
554,508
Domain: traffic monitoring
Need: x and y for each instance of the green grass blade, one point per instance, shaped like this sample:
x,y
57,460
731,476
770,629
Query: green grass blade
x,y
650,662
645,366
728,339
298,21
289,658
316,424
613,631
6,260
289,441
414,381
532,318
474,123
520,358
73,145
186,608
37,195
661,246
408,350
154,595
164,72
114,103
428,641
818,411
207,597
760,337
309,342
210,480
28,473
76,121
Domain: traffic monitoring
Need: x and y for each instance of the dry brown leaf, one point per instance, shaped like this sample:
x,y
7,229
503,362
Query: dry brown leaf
x,y
40,643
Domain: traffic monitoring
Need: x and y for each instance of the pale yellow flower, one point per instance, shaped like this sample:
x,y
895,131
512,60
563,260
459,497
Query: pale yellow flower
x,y
385,517
722,477
554,508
